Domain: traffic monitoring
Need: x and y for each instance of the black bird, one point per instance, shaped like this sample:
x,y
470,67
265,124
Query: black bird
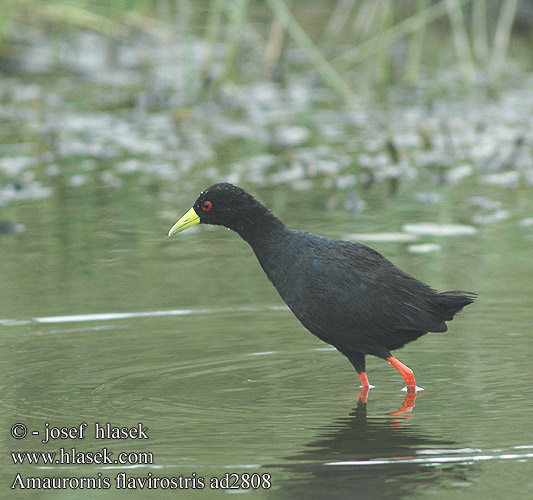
x,y
347,294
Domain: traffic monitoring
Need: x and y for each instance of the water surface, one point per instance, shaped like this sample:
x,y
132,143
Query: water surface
x,y
105,319
204,354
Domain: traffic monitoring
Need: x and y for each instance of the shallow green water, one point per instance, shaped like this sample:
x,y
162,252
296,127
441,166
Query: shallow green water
x,y
105,319
223,388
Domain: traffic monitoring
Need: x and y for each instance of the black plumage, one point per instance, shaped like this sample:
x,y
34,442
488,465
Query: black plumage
x,y
345,293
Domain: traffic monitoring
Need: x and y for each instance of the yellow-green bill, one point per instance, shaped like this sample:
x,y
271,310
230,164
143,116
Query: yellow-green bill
x,y
189,219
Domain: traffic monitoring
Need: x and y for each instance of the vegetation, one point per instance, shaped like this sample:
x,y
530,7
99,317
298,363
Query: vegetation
x,y
382,42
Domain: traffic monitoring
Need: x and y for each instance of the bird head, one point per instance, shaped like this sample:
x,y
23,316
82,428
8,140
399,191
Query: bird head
x,y
222,204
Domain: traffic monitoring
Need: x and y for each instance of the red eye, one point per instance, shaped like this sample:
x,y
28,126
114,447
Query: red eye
x,y
206,206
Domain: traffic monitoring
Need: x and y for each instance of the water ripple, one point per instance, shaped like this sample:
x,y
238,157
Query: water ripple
x,y
79,318
439,457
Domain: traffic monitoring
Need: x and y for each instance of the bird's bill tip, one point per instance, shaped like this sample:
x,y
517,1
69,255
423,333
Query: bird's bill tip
x,y
189,219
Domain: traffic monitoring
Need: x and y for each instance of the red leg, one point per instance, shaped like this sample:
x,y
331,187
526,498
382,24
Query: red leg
x,y
364,380
405,371
364,394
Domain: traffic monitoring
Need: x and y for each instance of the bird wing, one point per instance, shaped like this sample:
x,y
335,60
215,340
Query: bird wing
x,y
353,288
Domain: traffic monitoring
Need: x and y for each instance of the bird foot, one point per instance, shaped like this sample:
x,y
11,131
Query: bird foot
x,y
414,388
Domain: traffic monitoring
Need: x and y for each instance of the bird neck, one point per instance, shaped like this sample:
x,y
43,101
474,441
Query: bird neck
x,y
259,226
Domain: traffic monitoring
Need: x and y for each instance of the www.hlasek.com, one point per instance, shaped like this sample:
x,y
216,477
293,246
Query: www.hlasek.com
x,y
103,456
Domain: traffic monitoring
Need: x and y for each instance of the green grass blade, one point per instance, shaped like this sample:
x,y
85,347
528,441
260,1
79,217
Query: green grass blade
x,y
480,39
502,36
382,40
460,39
321,64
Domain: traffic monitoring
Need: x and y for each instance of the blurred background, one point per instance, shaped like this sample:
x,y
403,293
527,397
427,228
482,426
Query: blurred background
x,y
407,125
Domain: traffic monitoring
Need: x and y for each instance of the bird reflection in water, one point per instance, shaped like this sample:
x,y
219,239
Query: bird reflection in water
x,y
403,411
368,457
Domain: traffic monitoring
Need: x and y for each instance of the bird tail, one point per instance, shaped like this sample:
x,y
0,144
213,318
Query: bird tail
x,y
452,302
